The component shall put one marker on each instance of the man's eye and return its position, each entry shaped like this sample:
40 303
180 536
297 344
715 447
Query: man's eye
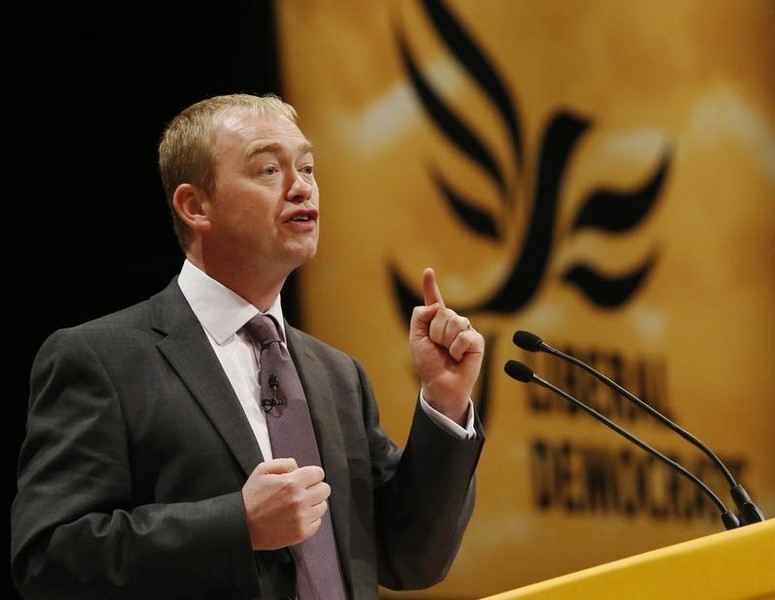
270 170
309 169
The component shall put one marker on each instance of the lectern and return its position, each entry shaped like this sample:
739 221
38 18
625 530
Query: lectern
738 564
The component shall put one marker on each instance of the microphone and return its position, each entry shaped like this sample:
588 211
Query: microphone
521 372
749 512
276 400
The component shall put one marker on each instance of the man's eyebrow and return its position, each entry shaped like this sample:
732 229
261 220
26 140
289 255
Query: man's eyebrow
275 148
261 148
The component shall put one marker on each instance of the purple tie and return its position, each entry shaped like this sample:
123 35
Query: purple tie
318 574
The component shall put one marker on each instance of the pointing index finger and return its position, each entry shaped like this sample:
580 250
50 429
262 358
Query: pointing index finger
430 288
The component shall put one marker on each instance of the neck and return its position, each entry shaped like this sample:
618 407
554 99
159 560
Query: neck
258 286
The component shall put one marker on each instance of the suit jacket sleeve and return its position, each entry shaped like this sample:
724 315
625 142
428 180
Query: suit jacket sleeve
424 502
78 515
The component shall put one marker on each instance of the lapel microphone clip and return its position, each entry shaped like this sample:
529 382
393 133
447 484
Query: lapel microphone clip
276 399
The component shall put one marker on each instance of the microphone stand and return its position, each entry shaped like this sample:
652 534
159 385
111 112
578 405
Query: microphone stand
749 512
521 372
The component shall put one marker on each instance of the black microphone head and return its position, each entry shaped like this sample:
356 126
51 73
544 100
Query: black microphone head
527 341
519 371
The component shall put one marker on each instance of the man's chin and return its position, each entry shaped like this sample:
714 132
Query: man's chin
303 256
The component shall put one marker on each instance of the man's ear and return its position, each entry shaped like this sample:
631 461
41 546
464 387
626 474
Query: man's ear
190 203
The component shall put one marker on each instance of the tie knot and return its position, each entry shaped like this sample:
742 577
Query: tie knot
263 329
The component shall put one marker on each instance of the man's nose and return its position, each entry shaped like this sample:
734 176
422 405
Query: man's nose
300 189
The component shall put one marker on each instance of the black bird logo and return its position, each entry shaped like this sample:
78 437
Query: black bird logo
606 210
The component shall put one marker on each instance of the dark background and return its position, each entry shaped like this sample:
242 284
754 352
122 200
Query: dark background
90 91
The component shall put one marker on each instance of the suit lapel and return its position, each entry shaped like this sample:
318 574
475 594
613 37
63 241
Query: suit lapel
189 352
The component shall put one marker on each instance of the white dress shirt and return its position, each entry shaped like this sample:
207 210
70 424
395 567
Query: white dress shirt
222 314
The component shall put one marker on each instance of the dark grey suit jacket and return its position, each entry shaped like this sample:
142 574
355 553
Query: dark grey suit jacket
137 449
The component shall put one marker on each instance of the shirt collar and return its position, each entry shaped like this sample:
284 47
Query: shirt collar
221 311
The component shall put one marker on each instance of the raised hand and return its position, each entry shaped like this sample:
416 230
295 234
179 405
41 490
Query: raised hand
447 352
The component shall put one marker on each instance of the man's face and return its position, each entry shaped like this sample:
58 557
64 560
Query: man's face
265 208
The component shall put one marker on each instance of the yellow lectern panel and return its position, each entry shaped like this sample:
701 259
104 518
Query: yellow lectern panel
731 565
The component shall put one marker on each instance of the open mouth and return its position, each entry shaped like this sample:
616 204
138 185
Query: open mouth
304 216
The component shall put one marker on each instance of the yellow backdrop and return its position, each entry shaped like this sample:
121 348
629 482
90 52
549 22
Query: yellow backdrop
599 173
